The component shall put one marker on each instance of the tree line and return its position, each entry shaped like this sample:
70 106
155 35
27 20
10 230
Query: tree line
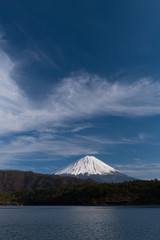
133 192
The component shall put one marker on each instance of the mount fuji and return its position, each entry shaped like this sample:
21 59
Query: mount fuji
93 168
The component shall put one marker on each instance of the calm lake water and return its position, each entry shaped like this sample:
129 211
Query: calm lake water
66 223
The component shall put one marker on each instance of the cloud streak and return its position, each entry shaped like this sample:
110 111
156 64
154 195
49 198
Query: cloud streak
49 145
140 168
42 146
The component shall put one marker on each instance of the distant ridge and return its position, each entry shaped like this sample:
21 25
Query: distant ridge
93 168
13 180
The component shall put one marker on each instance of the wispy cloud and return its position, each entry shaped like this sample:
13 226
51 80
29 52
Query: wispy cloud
87 95
108 141
144 169
50 145
80 96
26 148
143 136
36 53
81 127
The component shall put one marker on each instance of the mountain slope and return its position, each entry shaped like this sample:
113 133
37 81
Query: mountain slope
12 180
92 167
88 165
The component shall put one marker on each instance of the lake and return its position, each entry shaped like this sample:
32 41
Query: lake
76 222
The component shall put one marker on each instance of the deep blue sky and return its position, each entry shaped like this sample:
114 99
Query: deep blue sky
77 78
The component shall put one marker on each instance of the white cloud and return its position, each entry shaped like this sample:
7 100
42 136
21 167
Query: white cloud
88 95
80 96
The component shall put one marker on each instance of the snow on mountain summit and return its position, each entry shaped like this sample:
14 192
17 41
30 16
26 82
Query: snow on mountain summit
88 165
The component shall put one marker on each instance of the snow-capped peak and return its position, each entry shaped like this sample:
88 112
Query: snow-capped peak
88 165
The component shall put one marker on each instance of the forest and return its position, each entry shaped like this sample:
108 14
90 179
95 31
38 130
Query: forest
140 192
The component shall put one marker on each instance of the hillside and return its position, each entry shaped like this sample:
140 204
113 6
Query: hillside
12 180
